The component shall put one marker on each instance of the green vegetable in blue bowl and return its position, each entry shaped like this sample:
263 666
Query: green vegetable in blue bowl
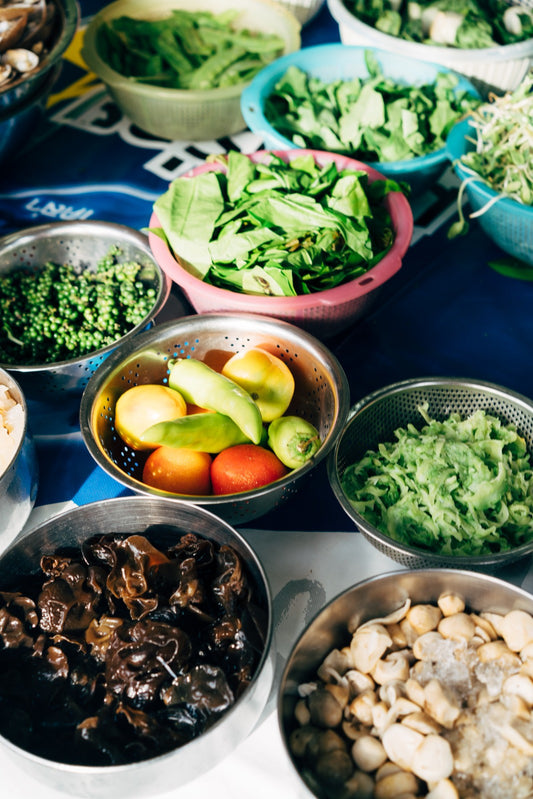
381 108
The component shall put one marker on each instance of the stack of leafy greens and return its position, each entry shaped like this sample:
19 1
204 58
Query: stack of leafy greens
457 487
373 119
281 228
186 50
466 24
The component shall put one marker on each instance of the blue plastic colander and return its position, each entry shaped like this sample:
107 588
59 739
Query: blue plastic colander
507 222
330 62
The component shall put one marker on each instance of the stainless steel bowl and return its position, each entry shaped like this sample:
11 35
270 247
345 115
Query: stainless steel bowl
375 418
82 245
321 396
19 482
161 521
332 626
59 38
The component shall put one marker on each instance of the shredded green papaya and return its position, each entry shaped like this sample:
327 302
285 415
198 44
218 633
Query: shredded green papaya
455 487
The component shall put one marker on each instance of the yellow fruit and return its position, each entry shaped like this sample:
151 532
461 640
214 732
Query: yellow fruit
142 406
265 377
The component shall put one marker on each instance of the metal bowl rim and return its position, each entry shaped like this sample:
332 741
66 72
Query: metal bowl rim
27 234
144 339
375 535
140 502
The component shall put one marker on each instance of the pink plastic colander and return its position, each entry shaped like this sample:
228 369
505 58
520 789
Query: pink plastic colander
323 313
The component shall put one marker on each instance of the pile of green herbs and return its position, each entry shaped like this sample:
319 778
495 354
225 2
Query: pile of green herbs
502 154
372 119
193 50
475 23
455 487
276 228
55 312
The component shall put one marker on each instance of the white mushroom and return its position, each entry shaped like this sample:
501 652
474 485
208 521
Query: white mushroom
521 685
368 753
424 618
368 645
517 629
359 682
389 692
440 705
444 789
361 706
395 666
498 651
516 705
392 618
359 786
387 768
433 760
426 647
495 619
394 785
483 627
400 744
516 739
415 692
20 59
457 627
337 662
450 604
422 722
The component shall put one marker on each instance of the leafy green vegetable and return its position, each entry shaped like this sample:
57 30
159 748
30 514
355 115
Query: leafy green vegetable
278 228
456 487
503 150
466 24
373 119
186 50
512 267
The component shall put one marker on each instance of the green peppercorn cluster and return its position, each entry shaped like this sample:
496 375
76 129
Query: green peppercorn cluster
57 312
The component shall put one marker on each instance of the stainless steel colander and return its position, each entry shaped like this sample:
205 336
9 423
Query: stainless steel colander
321 396
375 418
81 244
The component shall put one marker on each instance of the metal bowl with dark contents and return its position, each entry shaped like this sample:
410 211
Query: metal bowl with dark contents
81 247
141 630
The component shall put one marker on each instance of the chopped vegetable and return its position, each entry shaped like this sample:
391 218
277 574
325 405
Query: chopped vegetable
57 313
373 119
466 24
277 228
186 50
456 487
503 150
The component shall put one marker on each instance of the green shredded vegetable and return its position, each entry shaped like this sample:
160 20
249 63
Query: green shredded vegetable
455 487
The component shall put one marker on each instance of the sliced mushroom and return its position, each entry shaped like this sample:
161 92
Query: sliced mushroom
427 646
422 722
457 627
424 618
415 692
387 768
336 663
440 705
340 691
433 760
360 708
394 785
395 666
521 685
359 682
517 629
444 789
498 651
20 59
495 619
484 628
400 744
368 645
391 618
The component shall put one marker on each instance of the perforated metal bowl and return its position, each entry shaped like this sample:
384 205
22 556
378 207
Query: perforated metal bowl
321 396
82 245
374 419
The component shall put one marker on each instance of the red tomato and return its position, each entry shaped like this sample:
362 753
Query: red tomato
243 468
178 470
